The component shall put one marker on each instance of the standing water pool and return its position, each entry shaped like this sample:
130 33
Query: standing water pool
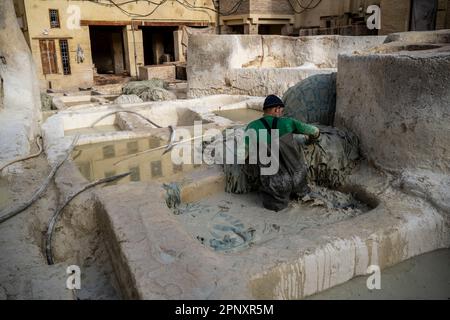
244 115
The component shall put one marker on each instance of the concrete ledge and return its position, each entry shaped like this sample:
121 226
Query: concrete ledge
156 258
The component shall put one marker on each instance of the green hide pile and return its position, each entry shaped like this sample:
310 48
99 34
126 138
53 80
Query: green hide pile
330 159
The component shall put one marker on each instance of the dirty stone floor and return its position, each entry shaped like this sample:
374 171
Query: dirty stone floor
229 222
24 273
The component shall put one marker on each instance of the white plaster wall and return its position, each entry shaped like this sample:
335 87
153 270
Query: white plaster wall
258 65
397 104
21 109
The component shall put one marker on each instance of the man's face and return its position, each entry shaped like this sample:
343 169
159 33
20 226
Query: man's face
279 111
275 111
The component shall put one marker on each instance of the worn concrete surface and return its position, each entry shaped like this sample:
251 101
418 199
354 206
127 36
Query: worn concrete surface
289 267
24 273
259 65
399 105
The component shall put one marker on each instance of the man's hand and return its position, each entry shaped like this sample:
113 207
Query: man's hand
313 138
317 136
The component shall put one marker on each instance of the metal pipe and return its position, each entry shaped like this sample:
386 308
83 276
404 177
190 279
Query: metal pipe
218 17
134 46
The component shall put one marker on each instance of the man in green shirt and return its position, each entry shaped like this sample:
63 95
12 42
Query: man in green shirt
290 179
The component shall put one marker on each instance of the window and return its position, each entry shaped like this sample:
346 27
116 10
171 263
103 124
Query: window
48 56
54 18
153 142
65 58
109 174
156 169
135 174
109 152
132 147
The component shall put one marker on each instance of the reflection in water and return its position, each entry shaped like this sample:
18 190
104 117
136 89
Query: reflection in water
244 115
100 160
47 114
88 130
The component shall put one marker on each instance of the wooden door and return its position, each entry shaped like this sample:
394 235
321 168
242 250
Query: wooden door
48 56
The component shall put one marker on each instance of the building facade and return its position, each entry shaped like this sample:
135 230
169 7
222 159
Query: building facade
318 17
256 16
348 17
414 15
71 41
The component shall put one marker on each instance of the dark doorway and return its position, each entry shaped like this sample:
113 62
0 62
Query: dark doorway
237 29
158 44
107 47
270 29
423 15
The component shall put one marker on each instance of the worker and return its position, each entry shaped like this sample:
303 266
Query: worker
290 180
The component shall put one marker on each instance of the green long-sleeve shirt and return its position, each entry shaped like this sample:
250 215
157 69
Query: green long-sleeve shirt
284 125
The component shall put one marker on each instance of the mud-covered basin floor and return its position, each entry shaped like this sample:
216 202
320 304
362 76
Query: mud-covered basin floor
229 223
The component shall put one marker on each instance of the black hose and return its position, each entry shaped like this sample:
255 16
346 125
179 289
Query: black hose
54 218
9 213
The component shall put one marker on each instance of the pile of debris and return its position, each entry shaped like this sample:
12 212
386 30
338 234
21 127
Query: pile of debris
148 90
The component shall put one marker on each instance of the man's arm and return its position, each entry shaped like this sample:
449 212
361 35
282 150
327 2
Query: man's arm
306 129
